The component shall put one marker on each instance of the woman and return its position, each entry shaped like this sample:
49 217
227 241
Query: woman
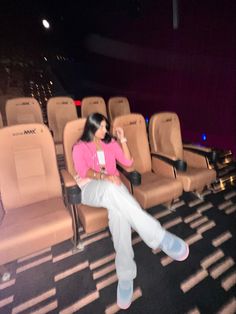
95 157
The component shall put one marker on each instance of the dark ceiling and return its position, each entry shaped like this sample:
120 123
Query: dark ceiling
21 20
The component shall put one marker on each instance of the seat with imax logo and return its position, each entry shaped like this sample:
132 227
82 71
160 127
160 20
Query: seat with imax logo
28 131
23 110
33 213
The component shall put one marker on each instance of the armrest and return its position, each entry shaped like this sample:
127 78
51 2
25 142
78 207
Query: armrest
208 153
72 190
178 164
132 175
67 178
197 146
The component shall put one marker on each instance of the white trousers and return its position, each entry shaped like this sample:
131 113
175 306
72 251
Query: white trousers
124 213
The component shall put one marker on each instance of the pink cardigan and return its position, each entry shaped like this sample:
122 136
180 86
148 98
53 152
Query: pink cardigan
85 157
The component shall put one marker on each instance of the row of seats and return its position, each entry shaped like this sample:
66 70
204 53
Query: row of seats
164 128
117 106
29 172
27 109
60 110
162 181
33 213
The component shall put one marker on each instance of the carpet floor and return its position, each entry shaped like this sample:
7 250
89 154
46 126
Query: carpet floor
57 281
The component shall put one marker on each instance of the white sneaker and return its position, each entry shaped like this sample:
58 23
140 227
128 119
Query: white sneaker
174 247
124 293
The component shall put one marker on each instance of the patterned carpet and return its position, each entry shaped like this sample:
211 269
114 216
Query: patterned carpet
57 281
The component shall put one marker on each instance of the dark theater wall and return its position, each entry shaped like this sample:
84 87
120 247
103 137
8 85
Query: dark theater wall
190 70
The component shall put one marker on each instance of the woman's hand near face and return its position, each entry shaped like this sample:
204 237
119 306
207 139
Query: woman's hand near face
123 141
120 133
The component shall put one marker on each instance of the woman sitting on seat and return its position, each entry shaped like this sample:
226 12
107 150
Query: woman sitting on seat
95 156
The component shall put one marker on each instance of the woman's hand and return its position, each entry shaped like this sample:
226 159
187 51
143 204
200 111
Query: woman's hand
114 179
120 133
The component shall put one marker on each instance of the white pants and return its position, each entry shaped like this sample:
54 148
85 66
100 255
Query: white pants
124 213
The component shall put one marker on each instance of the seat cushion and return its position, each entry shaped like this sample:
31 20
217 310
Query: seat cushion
156 189
195 179
93 218
32 228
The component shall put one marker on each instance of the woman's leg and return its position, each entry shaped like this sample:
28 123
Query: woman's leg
117 199
124 212
93 194
121 234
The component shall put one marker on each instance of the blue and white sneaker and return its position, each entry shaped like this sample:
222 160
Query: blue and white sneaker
124 293
174 247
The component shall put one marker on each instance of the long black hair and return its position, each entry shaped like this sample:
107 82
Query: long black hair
92 124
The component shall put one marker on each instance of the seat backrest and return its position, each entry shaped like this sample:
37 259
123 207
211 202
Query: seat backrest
28 167
23 110
135 131
118 106
72 132
91 105
165 134
60 110
1 122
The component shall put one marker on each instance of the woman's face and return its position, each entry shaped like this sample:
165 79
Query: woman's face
101 131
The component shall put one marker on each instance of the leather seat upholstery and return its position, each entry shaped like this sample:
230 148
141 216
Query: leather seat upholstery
156 187
165 139
93 104
23 110
34 216
92 218
118 106
60 110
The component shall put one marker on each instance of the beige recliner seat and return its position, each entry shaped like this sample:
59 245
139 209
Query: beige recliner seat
92 218
93 104
158 184
23 110
33 215
60 110
118 106
165 140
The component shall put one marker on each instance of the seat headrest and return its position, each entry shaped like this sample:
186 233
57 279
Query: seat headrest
93 104
23 110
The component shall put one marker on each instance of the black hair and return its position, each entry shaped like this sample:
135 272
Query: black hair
92 124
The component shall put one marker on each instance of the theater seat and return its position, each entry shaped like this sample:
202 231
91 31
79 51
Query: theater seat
23 110
92 218
159 187
60 110
33 215
166 141
93 104
118 106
